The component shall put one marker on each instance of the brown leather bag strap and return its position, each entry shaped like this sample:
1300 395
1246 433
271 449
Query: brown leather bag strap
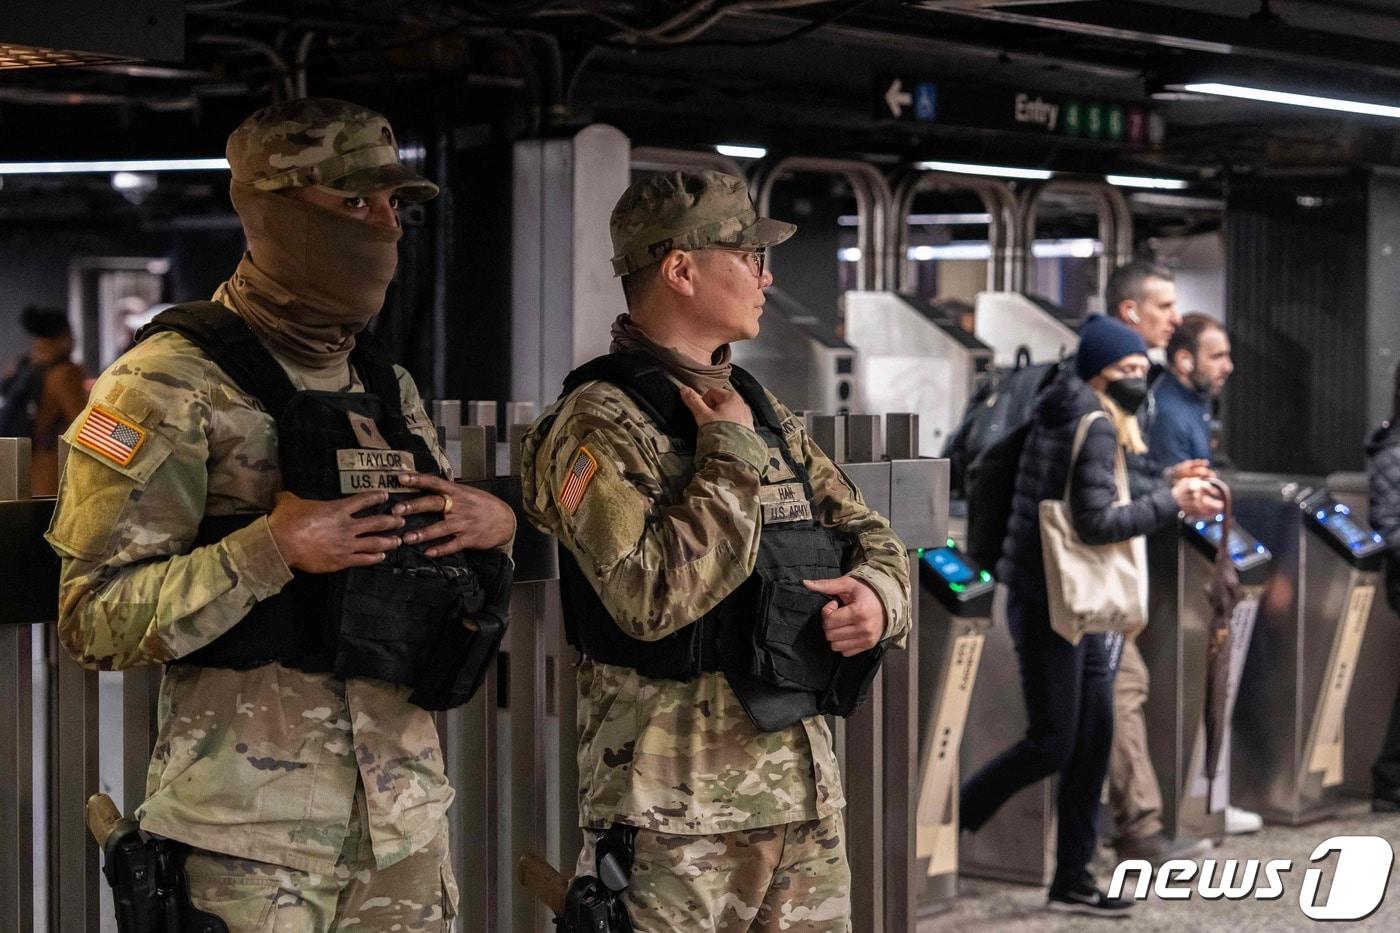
1222 553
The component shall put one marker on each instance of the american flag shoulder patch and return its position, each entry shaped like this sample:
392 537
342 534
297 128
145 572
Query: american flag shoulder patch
110 436
576 482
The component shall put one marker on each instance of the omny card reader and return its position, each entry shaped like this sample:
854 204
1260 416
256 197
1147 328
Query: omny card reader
1249 556
1355 543
962 587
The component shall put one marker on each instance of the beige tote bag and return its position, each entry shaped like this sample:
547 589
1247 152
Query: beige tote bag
1092 588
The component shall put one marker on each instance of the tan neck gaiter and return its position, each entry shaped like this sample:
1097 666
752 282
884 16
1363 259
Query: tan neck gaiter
311 279
628 337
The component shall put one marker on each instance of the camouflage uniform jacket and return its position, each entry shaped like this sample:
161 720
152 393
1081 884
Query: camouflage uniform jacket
663 537
263 763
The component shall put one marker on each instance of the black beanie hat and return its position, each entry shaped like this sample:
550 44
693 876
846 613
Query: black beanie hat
1104 341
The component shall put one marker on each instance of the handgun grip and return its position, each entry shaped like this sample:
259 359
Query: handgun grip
102 816
540 879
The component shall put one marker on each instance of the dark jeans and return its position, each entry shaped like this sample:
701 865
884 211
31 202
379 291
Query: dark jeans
1069 702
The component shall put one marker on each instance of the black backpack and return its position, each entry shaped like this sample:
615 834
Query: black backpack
19 395
993 434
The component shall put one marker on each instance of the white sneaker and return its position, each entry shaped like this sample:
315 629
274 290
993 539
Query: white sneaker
1238 822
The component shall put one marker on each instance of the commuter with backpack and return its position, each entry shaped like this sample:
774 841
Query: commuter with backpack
41 394
1081 428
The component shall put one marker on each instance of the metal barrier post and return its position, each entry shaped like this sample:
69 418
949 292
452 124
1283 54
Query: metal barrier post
16 778
73 890
19 609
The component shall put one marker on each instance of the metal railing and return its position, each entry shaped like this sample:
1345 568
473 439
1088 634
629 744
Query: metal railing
510 753
1002 226
875 269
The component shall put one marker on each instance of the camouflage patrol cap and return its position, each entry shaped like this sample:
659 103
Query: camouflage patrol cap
687 210
321 141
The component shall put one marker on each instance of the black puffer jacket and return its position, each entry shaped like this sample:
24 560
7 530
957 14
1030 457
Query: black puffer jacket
1383 451
1041 475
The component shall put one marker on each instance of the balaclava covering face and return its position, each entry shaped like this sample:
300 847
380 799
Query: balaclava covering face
310 279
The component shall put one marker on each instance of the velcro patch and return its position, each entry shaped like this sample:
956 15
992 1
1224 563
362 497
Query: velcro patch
576 482
369 470
784 502
110 436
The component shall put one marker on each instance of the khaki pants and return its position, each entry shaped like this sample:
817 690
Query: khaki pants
792 877
1134 797
417 893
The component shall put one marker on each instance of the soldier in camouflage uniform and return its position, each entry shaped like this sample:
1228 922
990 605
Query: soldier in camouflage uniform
311 802
738 828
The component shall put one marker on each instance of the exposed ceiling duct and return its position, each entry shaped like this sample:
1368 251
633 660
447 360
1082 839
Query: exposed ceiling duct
1349 40
90 32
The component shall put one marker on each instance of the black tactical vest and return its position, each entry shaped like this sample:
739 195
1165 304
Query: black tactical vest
766 636
433 624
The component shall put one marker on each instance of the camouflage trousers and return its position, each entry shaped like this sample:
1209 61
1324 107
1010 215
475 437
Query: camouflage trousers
416 893
793 877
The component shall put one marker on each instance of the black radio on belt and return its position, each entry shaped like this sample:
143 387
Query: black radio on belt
433 624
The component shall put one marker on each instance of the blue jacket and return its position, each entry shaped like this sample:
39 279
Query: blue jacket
1180 428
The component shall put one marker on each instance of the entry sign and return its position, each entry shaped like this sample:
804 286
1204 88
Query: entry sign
921 101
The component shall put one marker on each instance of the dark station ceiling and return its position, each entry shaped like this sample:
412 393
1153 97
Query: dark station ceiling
789 75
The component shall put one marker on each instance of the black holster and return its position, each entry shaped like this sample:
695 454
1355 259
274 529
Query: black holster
149 887
595 904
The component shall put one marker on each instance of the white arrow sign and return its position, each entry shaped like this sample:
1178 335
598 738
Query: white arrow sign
896 98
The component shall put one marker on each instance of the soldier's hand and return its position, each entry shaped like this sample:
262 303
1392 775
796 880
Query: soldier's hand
322 537
472 519
854 620
717 405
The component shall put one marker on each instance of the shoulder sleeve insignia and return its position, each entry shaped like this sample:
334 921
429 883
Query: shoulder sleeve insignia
110 436
576 482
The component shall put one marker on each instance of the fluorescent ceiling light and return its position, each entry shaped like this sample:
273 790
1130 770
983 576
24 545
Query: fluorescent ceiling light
1078 248
117 165
742 152
130 181
1139 181
998 171
849 254
925 220
1296 100
1177 201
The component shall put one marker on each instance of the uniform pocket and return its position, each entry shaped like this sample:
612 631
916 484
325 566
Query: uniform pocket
790 647
237 891
449 897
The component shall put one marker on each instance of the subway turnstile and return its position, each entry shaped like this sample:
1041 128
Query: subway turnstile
1377 670
914 360
1018 843
952 627
1289 721
800 359
1174 647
